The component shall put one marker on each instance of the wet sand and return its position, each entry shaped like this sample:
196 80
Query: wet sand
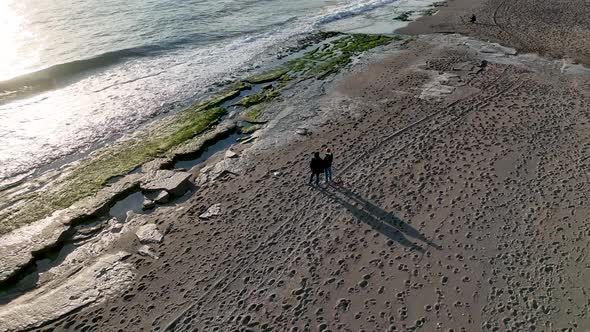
460 205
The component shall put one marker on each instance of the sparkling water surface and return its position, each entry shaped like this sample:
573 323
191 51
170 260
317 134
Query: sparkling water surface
77 73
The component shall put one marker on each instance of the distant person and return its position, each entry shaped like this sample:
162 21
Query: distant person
328 165
317 167
473 19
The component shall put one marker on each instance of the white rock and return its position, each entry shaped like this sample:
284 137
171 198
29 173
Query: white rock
149 234
230 154
148 251
302 131
214 210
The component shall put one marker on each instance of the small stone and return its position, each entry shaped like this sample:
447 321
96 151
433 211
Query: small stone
148 204
148 251
302 131
214 210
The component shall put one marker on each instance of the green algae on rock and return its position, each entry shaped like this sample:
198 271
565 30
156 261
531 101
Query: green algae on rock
332 56
264 95
91 175
253 114
160 139
218 99
250 129
268 76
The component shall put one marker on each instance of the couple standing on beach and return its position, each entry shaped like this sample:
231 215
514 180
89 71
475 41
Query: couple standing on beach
319 166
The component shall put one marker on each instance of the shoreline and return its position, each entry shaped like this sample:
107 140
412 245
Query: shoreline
25 247
352 111
553 30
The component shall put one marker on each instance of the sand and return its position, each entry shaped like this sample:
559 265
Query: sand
558 29
460 203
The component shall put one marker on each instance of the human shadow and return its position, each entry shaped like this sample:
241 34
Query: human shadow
379 219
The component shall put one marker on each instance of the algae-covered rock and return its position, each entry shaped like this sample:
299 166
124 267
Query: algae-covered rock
253 115
264 95
269 76
197 144
250 129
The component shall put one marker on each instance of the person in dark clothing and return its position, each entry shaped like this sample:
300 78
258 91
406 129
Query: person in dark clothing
473 18
328 165
317 167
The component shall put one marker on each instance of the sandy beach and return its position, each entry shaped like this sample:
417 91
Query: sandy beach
460 165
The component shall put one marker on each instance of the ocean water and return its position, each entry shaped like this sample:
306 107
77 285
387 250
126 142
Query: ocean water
77 73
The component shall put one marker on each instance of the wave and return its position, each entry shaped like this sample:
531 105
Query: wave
351 10
49 77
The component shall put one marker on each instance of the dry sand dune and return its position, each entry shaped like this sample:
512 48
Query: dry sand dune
460 209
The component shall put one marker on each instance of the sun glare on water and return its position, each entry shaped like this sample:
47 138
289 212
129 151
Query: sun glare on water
13 34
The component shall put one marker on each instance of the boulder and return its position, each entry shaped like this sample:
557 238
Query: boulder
214 210
149 234
175 183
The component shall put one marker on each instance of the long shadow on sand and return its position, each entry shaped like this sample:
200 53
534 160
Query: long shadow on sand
379 219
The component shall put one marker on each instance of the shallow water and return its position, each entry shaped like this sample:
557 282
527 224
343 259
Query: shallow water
209 151
133 202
